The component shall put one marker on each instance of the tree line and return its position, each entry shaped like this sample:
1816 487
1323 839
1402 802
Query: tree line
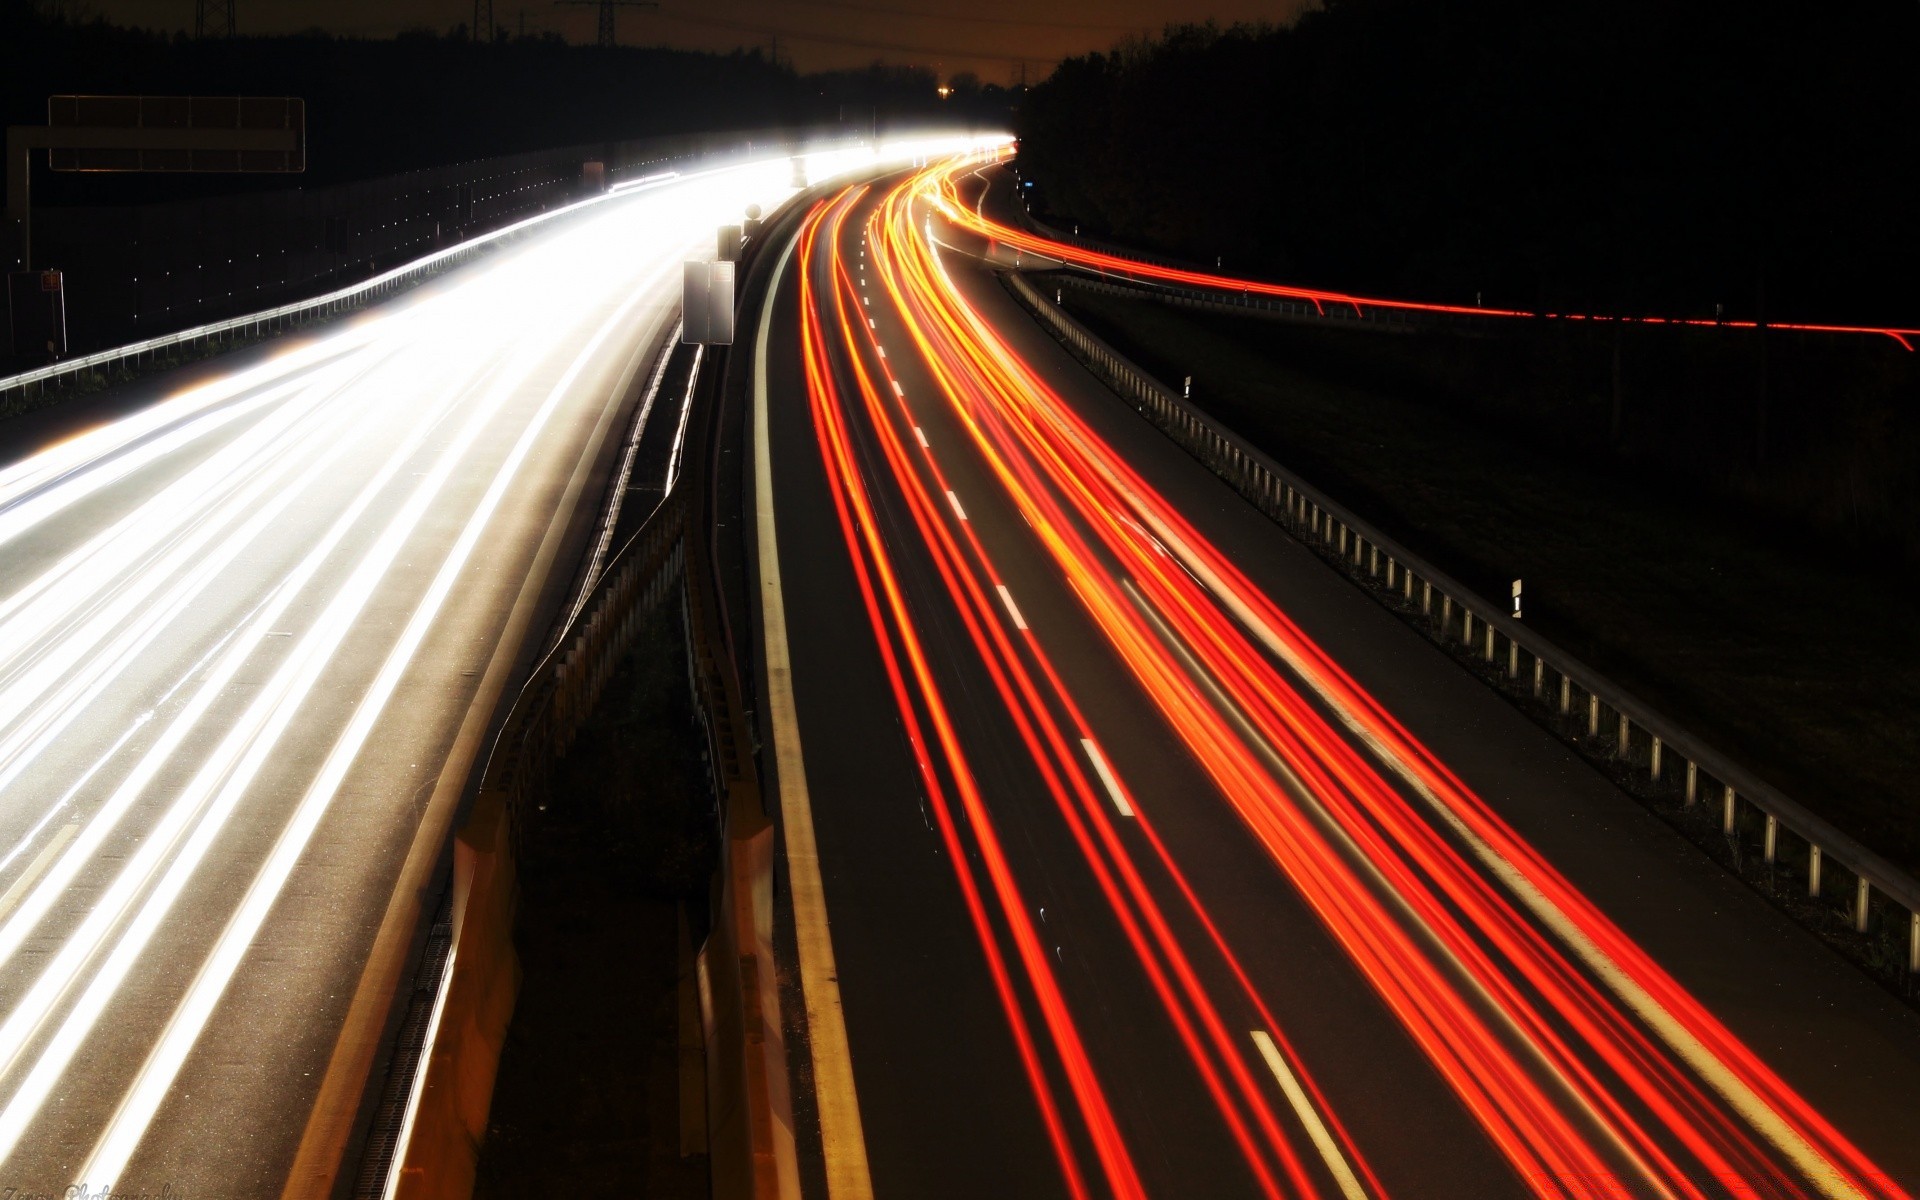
1757 159
425 98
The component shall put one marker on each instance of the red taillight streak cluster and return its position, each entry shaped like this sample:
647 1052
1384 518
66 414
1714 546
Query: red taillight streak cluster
945 186
1438 967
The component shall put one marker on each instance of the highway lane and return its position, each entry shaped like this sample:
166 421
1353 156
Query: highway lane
248 635
1483 970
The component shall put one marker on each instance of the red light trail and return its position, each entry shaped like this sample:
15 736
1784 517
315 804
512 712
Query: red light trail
1589 1068
1113 264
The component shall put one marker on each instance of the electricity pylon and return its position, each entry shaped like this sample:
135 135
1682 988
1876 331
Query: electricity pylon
213 18
606 7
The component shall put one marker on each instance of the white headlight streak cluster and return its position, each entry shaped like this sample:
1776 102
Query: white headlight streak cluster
209 612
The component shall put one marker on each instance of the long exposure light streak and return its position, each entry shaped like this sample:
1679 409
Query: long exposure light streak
971 218
225 613
1588 1067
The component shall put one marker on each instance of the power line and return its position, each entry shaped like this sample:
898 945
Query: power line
800 35
969 18
607 36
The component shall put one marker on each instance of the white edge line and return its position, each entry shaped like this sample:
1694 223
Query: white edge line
843 1141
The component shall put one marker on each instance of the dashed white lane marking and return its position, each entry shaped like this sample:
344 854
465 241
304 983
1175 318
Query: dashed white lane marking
1013 610
896 387
922 435
1316 1129
870 324
955 501
882 350
1107 780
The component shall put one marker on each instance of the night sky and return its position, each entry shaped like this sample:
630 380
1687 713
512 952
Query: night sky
990 37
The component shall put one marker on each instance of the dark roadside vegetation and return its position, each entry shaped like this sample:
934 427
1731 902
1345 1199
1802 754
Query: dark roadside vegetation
414 143
1726 522
430 97
588 1098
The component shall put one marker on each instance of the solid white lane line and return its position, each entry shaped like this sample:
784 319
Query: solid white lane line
1105 773
1013 610
1316 1128
955 501
921 434
39 864
842 1140
896 388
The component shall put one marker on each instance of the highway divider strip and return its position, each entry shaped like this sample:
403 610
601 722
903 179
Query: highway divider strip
1619 729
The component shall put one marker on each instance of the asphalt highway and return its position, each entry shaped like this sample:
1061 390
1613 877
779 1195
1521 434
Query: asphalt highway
252 629
1160 860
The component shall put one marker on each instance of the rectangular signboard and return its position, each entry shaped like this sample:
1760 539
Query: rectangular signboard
177 133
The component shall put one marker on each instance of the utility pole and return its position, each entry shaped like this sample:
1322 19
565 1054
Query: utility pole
606 36
213 18
482 21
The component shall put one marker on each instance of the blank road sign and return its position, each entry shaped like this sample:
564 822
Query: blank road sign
706 305
177 133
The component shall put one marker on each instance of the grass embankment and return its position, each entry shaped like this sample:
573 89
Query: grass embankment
587 1099
1793 652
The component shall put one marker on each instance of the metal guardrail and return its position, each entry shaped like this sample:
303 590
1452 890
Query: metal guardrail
1371 315
15 390
560 694
1617 724
216 334
1391 320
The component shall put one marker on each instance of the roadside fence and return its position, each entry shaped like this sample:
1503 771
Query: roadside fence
1879 898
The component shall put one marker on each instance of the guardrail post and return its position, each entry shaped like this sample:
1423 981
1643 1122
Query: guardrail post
1862 903
1593 715
1653 765
1513 659
1489 643
1913 943
1446 612
1566 695
1625 738
1728 809
1426 598
1693 782
1770 847
1466 628
1813 871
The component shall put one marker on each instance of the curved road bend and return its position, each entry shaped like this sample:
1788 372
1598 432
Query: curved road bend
1160 860
251 635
